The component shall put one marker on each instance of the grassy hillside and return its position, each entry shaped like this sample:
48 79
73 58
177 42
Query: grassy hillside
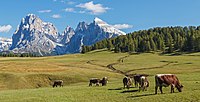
33 77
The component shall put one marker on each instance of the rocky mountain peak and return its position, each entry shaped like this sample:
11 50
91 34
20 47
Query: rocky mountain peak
82 26
34 36
67 34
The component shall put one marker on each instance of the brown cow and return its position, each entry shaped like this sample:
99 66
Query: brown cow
94 81
144 83
58 83
166 80
127 81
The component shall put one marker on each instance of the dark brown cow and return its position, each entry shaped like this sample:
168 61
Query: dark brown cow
137 78
166 80
58 83
144 83
127 81
94 81
104 81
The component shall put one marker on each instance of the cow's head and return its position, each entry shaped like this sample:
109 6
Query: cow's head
179 87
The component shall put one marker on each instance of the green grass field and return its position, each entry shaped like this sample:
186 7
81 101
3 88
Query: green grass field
30 79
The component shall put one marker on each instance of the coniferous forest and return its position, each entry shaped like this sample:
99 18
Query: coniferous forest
166 40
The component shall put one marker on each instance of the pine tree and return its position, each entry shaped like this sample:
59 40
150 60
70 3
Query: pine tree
153 45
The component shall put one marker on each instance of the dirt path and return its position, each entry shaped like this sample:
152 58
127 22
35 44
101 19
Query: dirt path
111 66
121 60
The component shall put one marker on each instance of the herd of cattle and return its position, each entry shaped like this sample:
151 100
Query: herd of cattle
139 79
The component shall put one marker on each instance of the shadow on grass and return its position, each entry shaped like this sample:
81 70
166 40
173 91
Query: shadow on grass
117 88
120 88
128 91
141 95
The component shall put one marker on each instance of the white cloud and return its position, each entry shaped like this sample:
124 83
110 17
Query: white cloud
62 1
44 11
70 2
123 26
56 16
5 28
93 8
82 12
69 10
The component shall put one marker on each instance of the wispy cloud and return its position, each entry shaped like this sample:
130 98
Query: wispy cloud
71 2
123 26
5 28
44 11
62 1
69 10
56 16
82 12
94 9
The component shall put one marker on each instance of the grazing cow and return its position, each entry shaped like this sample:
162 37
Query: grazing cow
58 83
166 80
127 81
94 81
137 78
144 83
104 81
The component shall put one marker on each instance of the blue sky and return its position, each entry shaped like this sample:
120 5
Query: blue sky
128 15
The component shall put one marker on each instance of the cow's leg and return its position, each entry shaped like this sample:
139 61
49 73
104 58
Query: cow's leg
156 88
124 85
143 88
161 89
97 84
136 84
139 88
90 84
172 88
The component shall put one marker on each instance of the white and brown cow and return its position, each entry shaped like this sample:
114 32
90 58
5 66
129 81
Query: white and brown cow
166 80
143 83
127 81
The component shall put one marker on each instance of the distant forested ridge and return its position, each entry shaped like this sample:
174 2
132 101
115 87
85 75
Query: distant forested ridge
166 40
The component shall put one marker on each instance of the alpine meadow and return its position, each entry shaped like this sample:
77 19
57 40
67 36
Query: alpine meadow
99 51
30 79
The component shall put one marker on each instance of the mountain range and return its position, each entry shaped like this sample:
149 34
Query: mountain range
42 38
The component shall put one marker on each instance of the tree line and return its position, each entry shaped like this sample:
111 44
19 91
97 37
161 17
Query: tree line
18 55
164 39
